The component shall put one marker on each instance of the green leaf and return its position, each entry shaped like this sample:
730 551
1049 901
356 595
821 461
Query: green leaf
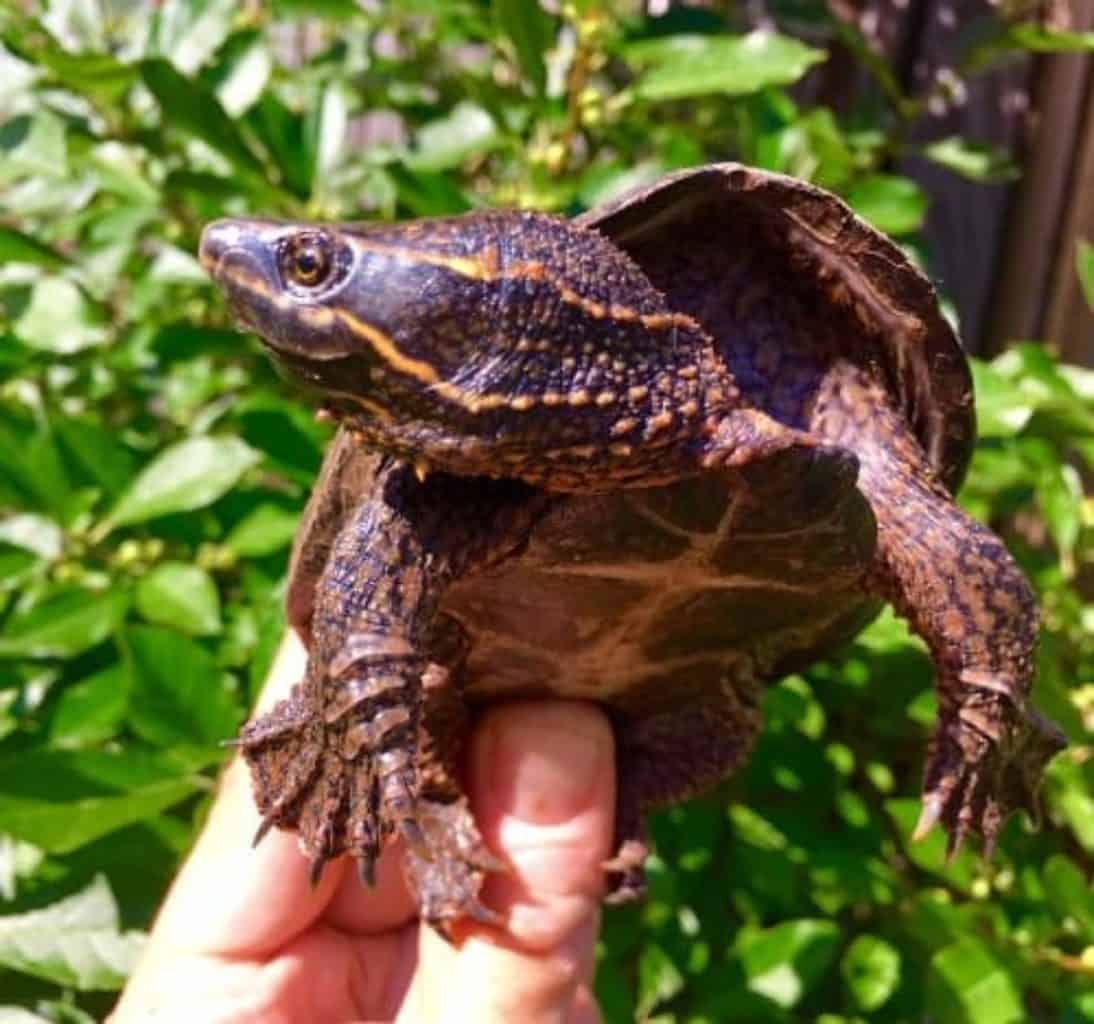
68 621
892 204
189 475
1031 36
971 160
784 962
242 72
659 979
1059 495
63 799
684 66
531 30
966 984
97 451
871 971
282 131
189 106
189 33
448 141
16 247
90 711
325 131
179 595
1002 408
96 74
75 942
179 694
1084 267
62 826
60 318
267 529
1069 891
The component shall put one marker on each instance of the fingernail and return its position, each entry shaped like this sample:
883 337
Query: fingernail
548 761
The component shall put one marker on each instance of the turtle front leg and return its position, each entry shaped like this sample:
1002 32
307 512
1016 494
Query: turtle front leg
962 592
343 760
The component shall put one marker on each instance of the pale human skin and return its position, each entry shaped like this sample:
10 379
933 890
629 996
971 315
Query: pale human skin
241 938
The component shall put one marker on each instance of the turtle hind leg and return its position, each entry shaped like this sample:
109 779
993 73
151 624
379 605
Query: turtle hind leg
677 738
448 871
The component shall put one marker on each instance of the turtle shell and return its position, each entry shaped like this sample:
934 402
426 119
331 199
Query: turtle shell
853 273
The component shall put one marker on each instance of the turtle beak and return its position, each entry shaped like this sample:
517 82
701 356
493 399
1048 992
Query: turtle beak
248 241
216 240
241 257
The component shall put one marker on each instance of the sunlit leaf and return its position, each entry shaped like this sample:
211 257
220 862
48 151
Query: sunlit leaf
1084 265
967 984
189 107
871 971
16 247
1041 39
784 962
267 529
446 142
976 162
76 942
66 622
683 66
179 693
60 800
179 595
894 205
186 476
529 29
91 710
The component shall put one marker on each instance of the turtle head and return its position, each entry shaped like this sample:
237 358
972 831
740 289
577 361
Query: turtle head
376 317
472 342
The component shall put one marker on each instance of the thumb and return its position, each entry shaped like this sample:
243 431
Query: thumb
542 786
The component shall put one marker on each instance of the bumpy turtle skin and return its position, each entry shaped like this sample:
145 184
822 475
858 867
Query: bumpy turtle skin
725 424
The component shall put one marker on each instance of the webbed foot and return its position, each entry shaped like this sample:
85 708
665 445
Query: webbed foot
343 774
986 761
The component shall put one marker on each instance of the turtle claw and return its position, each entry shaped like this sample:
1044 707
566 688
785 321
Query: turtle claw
986 762
928 817
268 822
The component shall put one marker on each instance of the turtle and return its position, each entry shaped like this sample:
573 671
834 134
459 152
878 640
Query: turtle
656 456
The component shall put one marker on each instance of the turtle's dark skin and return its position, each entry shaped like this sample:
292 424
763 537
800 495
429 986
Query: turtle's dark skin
654 458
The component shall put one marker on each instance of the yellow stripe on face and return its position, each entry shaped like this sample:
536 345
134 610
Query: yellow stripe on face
322 318
386 348
486 269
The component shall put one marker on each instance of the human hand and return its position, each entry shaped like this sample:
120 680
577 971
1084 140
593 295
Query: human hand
242 938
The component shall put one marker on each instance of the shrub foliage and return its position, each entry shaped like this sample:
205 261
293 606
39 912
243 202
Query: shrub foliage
152 469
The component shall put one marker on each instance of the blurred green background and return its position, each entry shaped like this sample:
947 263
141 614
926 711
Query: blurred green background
152 468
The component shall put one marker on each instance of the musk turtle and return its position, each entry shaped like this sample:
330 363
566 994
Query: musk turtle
652 457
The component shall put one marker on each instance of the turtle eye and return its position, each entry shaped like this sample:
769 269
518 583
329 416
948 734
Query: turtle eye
307 260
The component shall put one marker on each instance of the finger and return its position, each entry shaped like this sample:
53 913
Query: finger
234 900
359 909
542 786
